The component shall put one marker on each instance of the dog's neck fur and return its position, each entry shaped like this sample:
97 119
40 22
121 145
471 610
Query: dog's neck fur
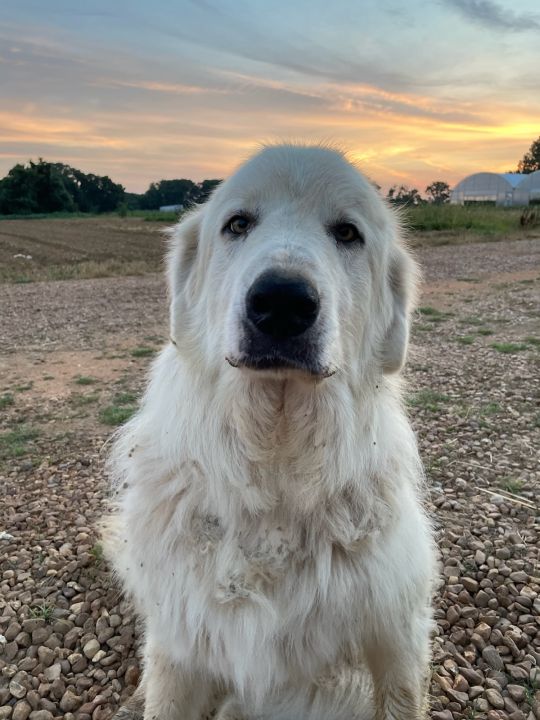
297 445
257 446
286 419
294 442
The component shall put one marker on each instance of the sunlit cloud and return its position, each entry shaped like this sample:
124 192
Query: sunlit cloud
161 87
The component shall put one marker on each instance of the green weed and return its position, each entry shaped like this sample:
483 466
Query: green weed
142 351
428 399
509 348
85 380
6 400
15 443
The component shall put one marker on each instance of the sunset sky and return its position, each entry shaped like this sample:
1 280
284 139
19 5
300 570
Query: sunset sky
140 91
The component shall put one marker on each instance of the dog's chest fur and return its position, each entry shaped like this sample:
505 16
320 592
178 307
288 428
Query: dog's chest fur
248 594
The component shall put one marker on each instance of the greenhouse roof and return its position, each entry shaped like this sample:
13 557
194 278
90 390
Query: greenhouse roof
513 178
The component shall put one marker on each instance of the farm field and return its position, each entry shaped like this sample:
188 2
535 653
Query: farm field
79 247
73 358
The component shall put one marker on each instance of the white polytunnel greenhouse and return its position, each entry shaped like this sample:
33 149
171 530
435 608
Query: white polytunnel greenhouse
506 189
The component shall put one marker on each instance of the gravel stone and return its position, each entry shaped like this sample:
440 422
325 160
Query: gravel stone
70 701
91 648
492 657
21 710
53 672
495 699
516 692
40 635
46 656
13 630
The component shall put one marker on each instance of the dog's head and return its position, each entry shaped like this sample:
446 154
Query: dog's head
292 268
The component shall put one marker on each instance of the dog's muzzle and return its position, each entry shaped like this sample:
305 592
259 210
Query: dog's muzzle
279 328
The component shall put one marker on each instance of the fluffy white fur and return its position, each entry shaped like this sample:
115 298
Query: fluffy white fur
269 524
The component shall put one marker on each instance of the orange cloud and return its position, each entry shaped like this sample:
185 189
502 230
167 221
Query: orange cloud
391 145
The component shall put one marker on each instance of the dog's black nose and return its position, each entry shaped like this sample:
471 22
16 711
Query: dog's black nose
282 305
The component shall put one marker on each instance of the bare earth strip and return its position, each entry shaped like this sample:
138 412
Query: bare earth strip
73 354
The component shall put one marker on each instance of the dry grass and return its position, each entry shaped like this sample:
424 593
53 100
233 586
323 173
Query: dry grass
66 248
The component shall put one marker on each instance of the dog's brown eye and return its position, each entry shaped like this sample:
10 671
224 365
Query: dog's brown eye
346 233
239 225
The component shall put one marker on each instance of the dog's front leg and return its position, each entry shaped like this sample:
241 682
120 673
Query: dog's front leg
399 664
172 691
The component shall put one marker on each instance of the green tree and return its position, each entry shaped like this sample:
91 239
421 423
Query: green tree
438 192
530 162
45 187
203 190
98 193
168 192
34 188
91 193
403 195
16 193
133 200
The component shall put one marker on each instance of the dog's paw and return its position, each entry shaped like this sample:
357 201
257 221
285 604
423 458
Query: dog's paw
125 713
132 710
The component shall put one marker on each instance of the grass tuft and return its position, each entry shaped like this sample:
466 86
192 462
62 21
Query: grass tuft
492 408
6 400
85 380
142 351
428 400
116 414
432 314
124 398
511 485
14 444
24 388
97 554
509 348
45 611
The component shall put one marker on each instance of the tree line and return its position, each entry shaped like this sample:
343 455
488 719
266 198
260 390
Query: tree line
45 187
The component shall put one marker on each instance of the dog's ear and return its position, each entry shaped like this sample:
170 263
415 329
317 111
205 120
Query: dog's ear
402 276
181 265
183 247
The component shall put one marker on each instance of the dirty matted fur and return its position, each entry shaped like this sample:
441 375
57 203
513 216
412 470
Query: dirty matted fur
268 523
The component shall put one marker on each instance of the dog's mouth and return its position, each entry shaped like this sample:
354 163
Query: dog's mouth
278 363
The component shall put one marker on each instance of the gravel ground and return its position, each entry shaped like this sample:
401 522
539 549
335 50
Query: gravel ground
68 643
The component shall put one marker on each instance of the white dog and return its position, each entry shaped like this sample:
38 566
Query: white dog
269 525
